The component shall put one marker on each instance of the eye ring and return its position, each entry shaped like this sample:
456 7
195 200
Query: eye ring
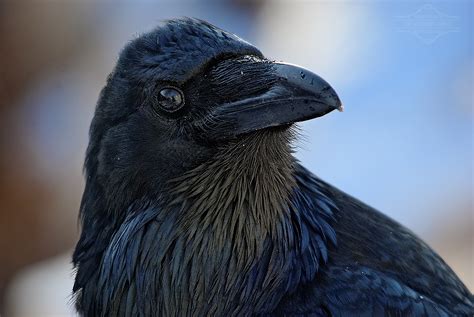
170 99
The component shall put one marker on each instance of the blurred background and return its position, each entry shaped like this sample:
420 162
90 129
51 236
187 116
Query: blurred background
404 144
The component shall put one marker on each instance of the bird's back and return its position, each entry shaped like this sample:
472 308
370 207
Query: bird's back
377 267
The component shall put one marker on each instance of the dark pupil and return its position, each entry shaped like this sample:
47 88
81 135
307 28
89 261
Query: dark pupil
170 99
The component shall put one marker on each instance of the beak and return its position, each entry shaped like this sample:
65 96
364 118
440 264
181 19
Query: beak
296 94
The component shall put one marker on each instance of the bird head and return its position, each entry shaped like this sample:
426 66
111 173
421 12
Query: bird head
182 92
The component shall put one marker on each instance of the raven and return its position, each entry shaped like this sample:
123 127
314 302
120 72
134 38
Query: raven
195 206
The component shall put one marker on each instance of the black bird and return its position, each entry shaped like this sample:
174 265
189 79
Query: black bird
195 206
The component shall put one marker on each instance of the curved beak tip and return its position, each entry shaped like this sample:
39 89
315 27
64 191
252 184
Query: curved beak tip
341 108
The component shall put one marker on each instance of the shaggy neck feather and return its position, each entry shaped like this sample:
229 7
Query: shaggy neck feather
239 201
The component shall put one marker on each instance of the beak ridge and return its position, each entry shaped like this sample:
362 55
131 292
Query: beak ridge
313 85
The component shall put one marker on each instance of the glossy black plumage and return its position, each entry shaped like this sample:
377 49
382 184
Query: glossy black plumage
204 211
379 268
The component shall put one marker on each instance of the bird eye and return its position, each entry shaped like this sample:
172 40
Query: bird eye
171 99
